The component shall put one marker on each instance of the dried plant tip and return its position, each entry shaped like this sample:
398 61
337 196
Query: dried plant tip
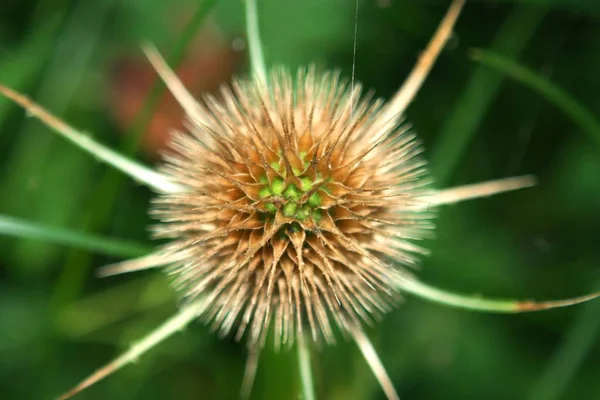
417 76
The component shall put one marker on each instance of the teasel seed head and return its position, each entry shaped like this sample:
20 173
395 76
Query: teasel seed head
300 207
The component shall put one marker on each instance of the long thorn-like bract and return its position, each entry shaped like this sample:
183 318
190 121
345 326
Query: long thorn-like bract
249 373
181 94
407 92
172 325
479 303
370 355
177 54
136 171
148 261
257 59
479 190
304 366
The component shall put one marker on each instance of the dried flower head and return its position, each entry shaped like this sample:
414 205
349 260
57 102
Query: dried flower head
291 204
296 202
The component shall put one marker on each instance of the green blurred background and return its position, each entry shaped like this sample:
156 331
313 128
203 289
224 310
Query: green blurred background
81 59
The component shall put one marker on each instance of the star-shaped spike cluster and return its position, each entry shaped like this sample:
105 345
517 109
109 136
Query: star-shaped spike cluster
294 208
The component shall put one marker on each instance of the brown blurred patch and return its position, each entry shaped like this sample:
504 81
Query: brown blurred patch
210 62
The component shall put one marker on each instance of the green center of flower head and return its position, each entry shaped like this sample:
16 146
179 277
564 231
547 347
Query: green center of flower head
300 200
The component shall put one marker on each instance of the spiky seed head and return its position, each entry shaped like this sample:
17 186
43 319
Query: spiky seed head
300 210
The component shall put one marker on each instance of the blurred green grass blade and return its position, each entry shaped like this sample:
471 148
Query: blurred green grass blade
582 116
584 330
567 360
307 385
16 227
480 91
483 304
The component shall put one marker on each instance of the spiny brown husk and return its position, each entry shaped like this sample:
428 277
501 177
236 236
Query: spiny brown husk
259 267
